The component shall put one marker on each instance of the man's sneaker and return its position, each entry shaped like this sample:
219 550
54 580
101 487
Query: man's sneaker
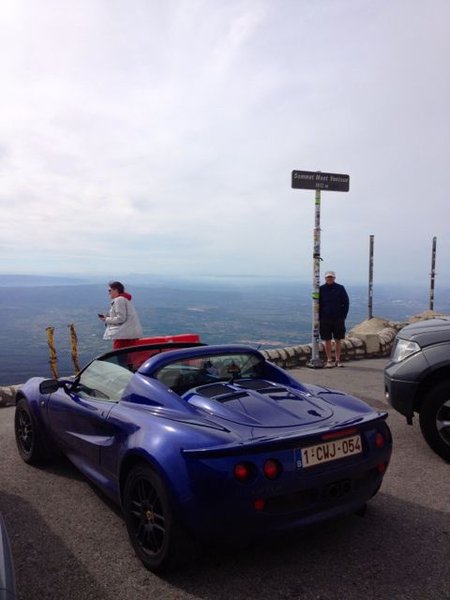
339 364
329 364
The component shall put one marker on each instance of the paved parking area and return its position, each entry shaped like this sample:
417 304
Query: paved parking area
70 543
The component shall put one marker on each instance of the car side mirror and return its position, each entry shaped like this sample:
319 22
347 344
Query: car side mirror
50 386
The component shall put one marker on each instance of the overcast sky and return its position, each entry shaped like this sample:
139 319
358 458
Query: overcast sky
159 136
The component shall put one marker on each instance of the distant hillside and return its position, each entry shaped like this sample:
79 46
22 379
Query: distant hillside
265 314
37 280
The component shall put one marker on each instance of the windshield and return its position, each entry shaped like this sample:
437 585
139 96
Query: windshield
104 380
187 373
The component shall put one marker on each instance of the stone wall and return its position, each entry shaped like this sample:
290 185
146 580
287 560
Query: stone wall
354 347
372 338
8 395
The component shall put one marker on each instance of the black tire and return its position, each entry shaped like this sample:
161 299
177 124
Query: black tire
29 440
155 534
434 419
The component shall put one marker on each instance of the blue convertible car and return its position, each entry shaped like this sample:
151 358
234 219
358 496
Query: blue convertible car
206 443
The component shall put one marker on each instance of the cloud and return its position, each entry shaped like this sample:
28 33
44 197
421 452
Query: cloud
160 137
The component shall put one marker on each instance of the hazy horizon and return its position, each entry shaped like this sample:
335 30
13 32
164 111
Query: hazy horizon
140 278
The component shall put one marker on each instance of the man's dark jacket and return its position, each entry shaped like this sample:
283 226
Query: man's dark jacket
333 302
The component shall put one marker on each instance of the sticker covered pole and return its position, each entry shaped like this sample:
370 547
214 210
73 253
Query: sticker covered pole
315 361
318 181
370 298
433 273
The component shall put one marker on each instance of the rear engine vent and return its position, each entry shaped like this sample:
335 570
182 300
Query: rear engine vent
257 384
215 389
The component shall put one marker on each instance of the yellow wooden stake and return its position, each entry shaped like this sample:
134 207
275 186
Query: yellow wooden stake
74 343
51 346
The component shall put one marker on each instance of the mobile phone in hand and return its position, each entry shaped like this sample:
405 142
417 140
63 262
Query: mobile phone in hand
101 316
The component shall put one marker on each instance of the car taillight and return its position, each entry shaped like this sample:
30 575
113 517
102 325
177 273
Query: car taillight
243 471
379 440
259 504
382 467
271 469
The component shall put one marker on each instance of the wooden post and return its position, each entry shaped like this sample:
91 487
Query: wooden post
53 359
74 345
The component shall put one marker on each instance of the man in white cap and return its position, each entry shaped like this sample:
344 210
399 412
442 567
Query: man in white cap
333 310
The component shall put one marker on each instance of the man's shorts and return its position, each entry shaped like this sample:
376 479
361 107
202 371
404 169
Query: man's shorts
334 328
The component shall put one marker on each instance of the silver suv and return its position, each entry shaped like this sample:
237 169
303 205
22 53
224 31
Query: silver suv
417 379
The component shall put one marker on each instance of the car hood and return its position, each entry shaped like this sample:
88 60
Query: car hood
259 403
431 331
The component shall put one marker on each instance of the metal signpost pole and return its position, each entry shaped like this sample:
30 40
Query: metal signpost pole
315 361
371 276
433 273
316 180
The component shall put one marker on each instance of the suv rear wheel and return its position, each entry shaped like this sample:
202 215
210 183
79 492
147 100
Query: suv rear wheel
434 419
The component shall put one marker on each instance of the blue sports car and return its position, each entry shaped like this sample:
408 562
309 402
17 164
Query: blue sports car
206 444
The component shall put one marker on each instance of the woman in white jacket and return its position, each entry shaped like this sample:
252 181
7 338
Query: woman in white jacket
122 322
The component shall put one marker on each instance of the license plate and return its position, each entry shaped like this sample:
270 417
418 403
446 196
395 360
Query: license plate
328 451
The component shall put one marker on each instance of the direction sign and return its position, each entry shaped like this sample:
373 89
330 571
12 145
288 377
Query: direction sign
316 180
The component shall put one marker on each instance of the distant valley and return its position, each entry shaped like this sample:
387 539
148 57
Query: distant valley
262 313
